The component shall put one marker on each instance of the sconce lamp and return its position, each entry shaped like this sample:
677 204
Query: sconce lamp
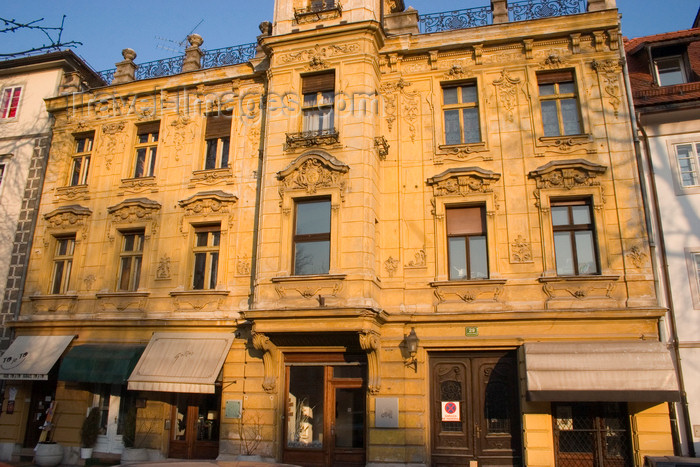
410 344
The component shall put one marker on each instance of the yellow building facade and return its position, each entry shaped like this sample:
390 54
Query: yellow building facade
382 241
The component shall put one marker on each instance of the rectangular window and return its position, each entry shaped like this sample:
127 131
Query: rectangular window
312 237
130 260
146 146
62 264
461 114
574 238
217 140
318 102
670 71
466 243
206 257
10 102
687 155
81 160
559 103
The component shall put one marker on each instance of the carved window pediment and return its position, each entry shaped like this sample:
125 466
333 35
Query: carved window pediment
68 216
463 181
134 210
208 202
313 171
567 174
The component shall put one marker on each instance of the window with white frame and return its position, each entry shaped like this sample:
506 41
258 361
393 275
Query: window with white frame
670 70
687 157
62 264
559 103
461 113
217 139
130 259
81 160
206 256
146 148
317 110
10 102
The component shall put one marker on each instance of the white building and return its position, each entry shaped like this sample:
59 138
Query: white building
25 134
664 74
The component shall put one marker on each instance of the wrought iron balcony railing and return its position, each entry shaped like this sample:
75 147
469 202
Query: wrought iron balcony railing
173 65
456 19
534 9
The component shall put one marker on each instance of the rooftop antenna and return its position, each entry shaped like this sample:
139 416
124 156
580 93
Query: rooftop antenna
166 43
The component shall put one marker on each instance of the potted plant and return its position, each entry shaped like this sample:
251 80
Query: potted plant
89 432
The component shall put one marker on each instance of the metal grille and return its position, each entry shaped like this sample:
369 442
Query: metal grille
456 19
592 435
451 391
533 9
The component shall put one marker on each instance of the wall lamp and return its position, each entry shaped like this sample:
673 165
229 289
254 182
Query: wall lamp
410 346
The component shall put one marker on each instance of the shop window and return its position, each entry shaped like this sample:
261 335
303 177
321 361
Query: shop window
130 259
688 159
312 237
466 243
206 257
146 148
575 248
62 264
592 434
318 103
559 103
10 102
217 139
461 114
80 164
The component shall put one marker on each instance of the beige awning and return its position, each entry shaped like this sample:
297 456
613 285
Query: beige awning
181 362
32 357
600 371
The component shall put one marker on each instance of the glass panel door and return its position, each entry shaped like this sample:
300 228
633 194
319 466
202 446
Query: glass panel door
112 404
194 426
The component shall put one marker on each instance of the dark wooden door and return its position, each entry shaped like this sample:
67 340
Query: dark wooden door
474 409
194 427
43 393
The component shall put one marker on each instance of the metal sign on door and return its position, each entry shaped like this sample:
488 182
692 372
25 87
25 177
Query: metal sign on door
450 411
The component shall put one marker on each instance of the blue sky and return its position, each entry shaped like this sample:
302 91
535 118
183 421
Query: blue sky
105 28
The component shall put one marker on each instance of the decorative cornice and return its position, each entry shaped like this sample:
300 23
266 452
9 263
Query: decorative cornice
207 202
133 210
463 181
311 171
67 216
567 174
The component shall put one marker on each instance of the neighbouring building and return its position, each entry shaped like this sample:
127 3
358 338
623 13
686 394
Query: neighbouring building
664 72
385 239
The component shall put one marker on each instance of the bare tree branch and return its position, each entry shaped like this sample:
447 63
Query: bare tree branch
52 33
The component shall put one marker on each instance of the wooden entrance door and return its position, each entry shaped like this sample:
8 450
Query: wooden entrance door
194 426
326 407
474 409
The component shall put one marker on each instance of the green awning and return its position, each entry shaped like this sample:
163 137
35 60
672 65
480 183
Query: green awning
110 364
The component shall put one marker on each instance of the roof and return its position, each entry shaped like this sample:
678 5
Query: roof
67 58
645 91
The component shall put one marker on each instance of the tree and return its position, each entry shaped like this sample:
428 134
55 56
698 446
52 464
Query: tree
53 34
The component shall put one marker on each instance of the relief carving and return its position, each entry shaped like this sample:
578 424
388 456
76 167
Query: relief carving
370 343
609 72
163 271
134 210
463 181
637 255
113 140
391 265
480 293
567 174
312 171
521 250
208 202
419 261
389 92
181 133
506 90
68 217
318 53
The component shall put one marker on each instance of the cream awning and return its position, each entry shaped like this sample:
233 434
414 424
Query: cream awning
181 362
32 357
600 371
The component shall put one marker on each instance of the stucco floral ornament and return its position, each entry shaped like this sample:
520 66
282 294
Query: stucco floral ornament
208 202
312 171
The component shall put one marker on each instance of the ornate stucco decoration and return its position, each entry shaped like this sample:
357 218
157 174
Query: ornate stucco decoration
210 301
394 6
463 181
587 290
567 174
163 271
609 72
311 290
208 202
456 72
637 255
506 91
553 60
134 210
181 132
371 343
390 93
391 265
70 193
312 171
419 260
521 250
64 304
262 342
243 266
567 143
68 217
212 176
478 292
382 146
319 53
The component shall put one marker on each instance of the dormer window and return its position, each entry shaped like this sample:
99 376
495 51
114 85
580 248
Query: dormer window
670 70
